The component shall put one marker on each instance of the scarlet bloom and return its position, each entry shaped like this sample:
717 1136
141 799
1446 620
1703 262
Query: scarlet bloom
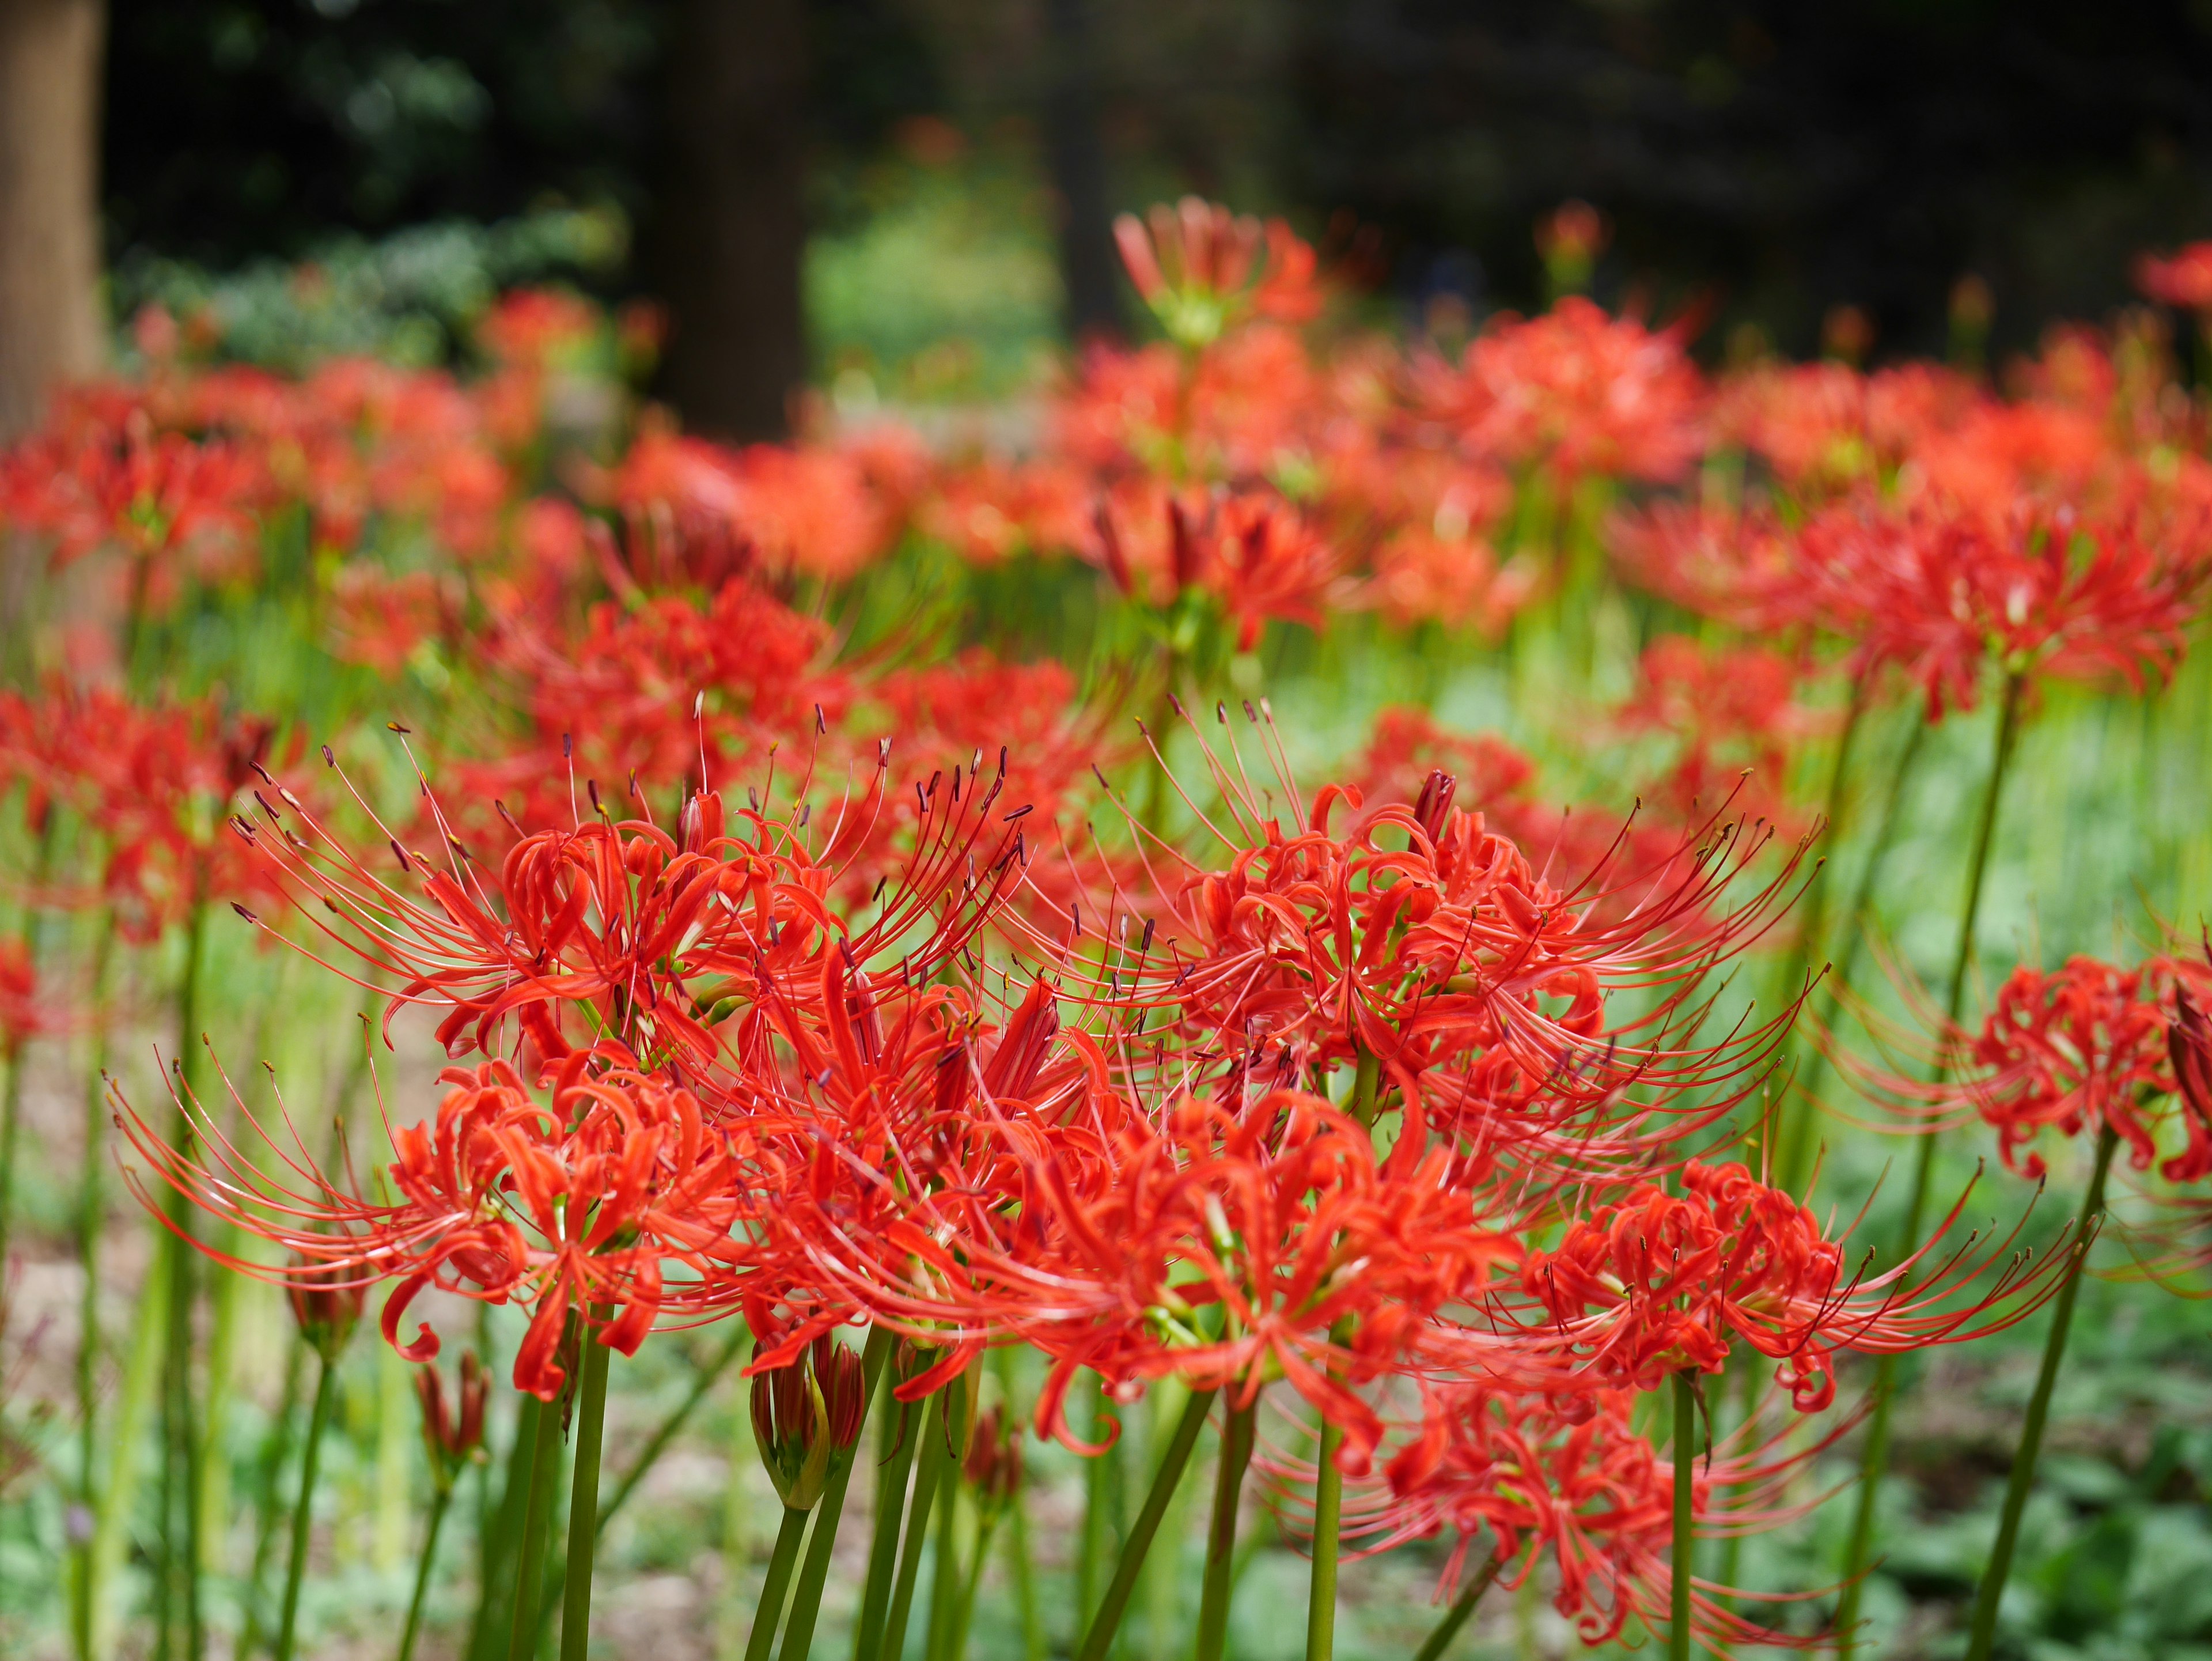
1202 269
592 1201
452 1436
2185 279
1576 393
2085 1048
1730 711
1657 1283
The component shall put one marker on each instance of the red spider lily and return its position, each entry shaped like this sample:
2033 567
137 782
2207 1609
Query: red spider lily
1575 392
155 784
1738 565
1420 577
803 1413
1427 943
2183 280
1943 598
1251 551
174 508
1657 1283
534 327
1570 1479
23 1012
617 1198
988 511
1203 269
380 619
639 931
2086 1047
1734 711
1825 427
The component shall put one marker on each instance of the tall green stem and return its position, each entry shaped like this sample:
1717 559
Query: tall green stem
829 1511
498 1527
1463 1608
1875 1461
1094 1545
1173 1462
944 1584
767 1613
1221 1532
935 1456
303 1510
438 1501
537 1522
1328 1516
584 1495
1685 1561
91 1214
181 1433
1985 1631
900 1429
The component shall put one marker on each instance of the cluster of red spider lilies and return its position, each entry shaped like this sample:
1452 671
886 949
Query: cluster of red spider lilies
901 997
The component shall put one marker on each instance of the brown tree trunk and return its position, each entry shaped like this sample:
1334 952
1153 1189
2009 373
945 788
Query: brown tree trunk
728 227
50 324
1089 269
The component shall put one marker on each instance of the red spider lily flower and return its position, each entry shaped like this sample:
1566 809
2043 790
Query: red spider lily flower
2185 280
453 1437
155 784
2043 596
23 1012
1575 392
1570 1480
2087 1047
993 1468
380 619
1739 566
1732 711
1654 1285
326 1307
1421 577
535 327
1230 1245
1202 269
640 933
1826 427
989 511
1250 551
1426 945
617 1198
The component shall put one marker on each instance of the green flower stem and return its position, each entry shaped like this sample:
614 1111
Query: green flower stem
901 1428
537 1523
1329 1515
768 1613
555 1593
276 1448
935 1456
944 1582
1875 1461
1797 1144
180 1431
303 1508
829 1511
1463 1608
438 1501
91 1214
1685 1560
111 1526
1985 1631
1221 1534
1006 1362
496 1531
1172 1464
986 1524
584 1495
1095 1544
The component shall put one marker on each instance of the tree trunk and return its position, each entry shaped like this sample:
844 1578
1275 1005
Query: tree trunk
728 225
1088 266
50 324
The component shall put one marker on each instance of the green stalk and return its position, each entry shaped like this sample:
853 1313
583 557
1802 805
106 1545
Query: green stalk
1797 1143
987 1523
536 1519
1328 1514
768 1613
2039 1410
555 1593
1173 1462
276 1448
1874 1462
1685 1561
1017 1530
944 1580
1462 1607
181 1438
584 1495
1221 1534
1092 1548
111 1517
303 1510
438 1501
496 1533
91 1214
900 1430
829 1511
935 1456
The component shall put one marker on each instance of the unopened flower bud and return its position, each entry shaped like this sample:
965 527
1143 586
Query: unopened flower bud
327 1306
453 1437
805 1412
993 1466
1433 807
